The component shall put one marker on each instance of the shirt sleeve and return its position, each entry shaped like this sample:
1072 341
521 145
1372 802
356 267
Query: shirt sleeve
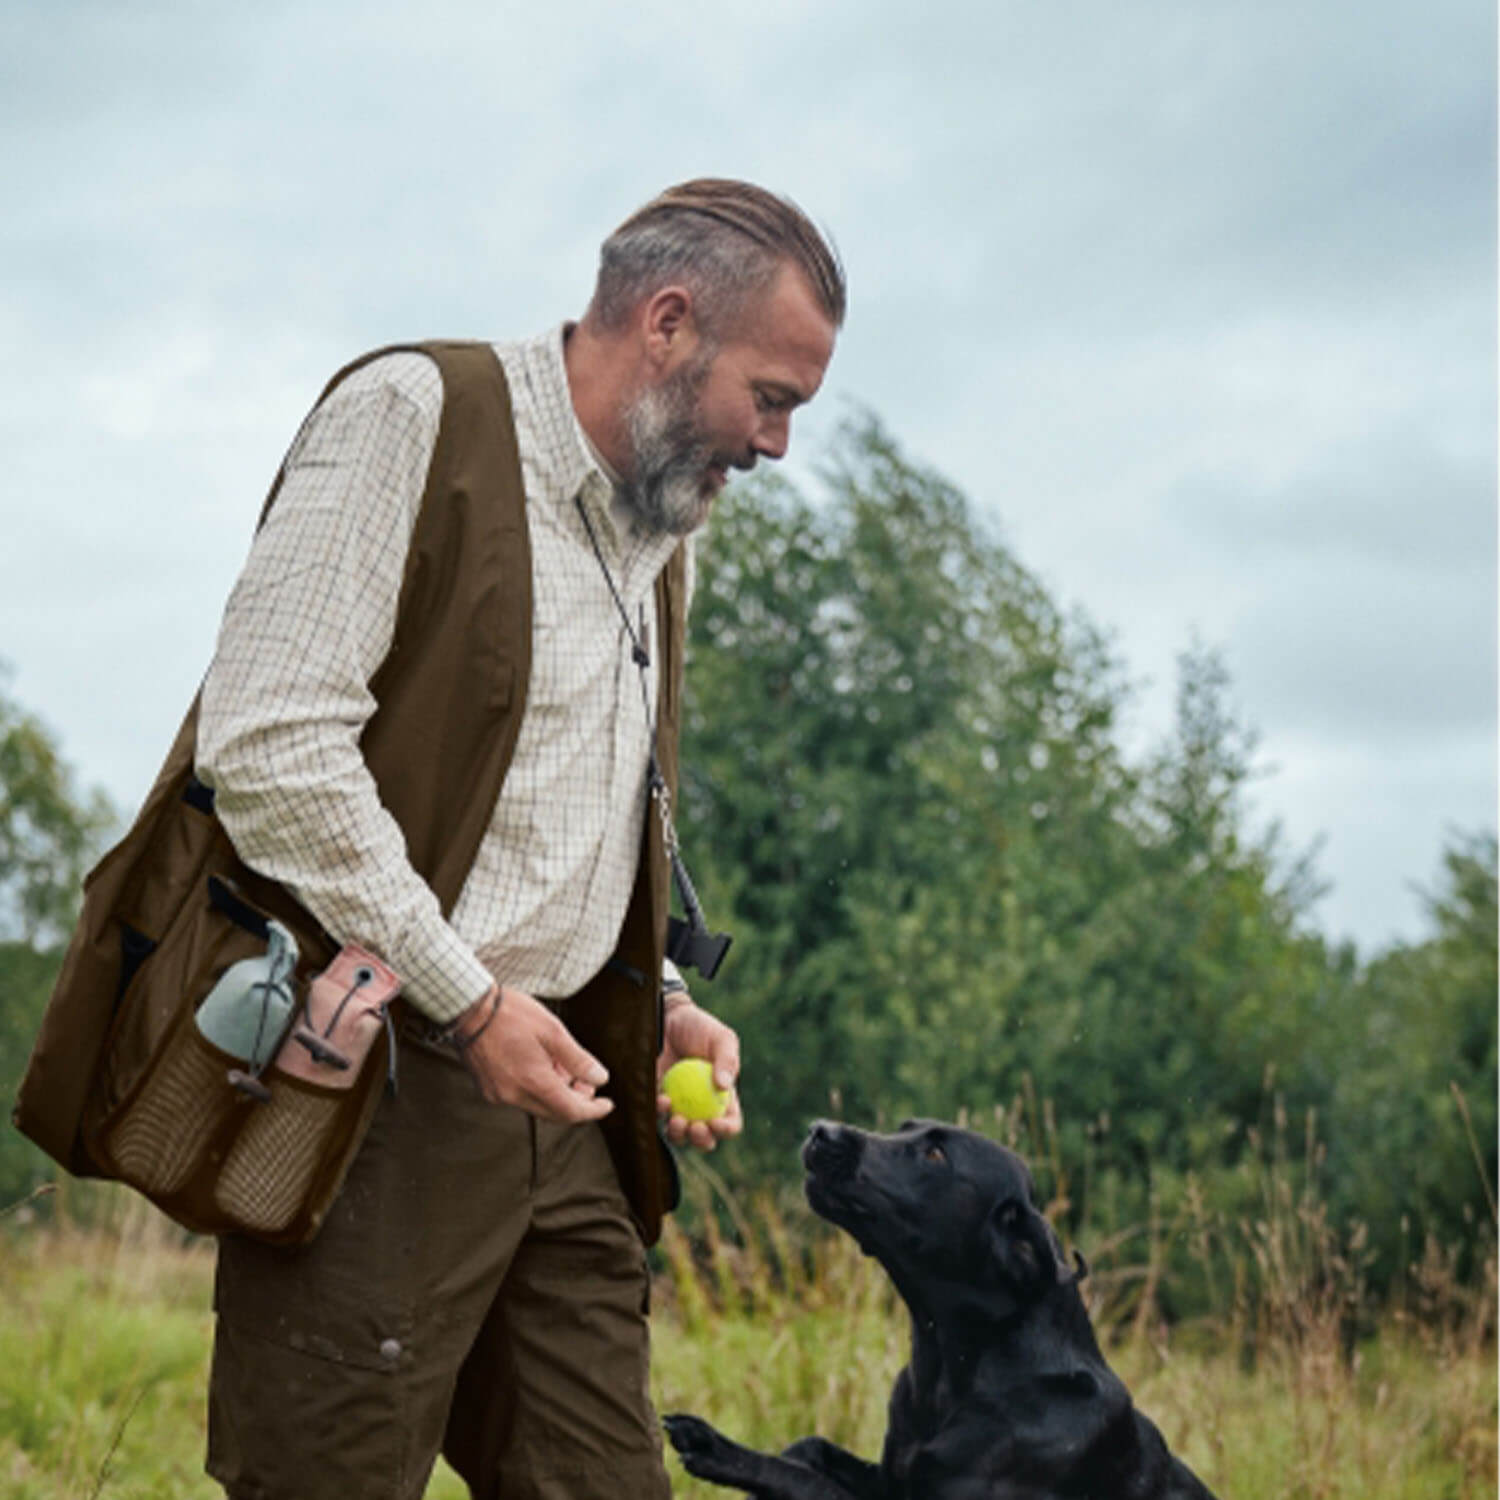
287 695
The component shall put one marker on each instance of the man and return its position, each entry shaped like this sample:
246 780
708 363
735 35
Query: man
480 1285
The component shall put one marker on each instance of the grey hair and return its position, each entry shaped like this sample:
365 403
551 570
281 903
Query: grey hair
724 241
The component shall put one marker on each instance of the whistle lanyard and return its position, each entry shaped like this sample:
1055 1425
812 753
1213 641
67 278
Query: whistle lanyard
659 792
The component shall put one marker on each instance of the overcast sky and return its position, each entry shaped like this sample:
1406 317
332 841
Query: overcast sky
1195 300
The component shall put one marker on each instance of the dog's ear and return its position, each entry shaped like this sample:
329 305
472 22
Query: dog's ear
1023 1247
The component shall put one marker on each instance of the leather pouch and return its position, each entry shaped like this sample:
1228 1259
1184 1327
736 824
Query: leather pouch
344 1014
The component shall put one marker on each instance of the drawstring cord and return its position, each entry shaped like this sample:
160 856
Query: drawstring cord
283 961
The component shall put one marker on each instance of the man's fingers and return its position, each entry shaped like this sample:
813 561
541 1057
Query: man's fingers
703 1134
556 1101
722 1127
726 1060
732 1121
720 1045
528 1058
572 1061
557 1092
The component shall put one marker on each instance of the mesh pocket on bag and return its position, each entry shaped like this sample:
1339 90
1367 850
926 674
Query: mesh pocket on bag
275 1158
159 1140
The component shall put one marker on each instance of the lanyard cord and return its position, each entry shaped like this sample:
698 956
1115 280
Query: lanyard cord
660 793
638 652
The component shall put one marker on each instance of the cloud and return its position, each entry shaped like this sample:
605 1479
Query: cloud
1196 301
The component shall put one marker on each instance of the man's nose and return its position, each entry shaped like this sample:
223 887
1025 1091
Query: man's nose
773 435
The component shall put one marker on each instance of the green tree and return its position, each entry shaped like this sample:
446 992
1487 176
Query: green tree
1204 972
49 833
903 779
1426 1026
879 697
904 792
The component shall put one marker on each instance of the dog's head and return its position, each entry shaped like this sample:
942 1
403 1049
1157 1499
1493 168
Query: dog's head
947 1212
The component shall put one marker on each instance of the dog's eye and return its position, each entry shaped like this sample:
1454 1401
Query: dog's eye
933 1152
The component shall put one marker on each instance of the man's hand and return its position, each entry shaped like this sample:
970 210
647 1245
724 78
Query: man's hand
691 1032
524 1055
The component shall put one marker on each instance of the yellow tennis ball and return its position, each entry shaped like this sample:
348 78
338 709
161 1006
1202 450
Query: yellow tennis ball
689 1084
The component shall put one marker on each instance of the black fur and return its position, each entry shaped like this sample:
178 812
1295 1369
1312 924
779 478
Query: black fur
1007 1396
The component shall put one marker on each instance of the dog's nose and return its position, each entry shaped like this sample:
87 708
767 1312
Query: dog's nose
829 1145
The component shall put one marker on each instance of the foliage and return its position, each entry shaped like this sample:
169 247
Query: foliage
952 892
954 895
1413 1118
904 777
26 978
104 1345
48 834
891 733
1280 1389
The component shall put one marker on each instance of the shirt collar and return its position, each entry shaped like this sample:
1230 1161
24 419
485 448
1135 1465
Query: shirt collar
564 458
567 463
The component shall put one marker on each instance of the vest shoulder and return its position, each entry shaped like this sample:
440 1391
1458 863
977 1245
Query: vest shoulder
398 374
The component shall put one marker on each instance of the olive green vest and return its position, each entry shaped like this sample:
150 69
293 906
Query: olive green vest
450 697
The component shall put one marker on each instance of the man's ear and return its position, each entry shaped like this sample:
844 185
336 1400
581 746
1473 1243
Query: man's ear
668 324
1023 1247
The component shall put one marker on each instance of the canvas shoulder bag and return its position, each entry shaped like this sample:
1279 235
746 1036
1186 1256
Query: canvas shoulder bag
125 1080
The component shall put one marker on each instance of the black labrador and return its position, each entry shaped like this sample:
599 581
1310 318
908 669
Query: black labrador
1007 1396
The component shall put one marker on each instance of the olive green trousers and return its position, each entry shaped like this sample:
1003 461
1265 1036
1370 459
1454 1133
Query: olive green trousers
479 1289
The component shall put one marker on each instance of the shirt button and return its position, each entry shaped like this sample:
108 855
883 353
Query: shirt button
390 1350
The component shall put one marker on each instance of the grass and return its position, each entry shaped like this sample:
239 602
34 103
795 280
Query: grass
1292 1388
103 1355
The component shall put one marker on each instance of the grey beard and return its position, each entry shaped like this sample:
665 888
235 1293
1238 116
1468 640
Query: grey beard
664 492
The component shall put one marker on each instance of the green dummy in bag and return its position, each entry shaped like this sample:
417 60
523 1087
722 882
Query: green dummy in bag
250 1008
124 1082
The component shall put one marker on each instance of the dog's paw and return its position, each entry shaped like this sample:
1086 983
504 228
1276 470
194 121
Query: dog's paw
692 1436
701 1448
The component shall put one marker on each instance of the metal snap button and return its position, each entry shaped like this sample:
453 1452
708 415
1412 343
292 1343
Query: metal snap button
390 1350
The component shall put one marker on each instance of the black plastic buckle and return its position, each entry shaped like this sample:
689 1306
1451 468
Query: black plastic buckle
696 949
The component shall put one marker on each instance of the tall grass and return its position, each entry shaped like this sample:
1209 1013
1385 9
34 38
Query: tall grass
1292 1384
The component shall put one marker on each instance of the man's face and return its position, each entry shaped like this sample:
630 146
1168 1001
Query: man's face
721 408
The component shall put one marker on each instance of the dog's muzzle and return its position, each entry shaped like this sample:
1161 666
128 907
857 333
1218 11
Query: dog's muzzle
832 1152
